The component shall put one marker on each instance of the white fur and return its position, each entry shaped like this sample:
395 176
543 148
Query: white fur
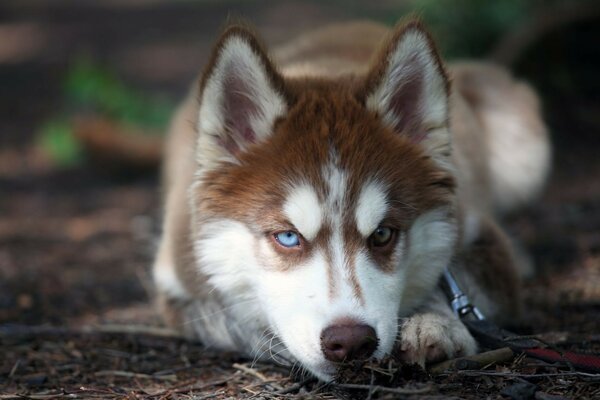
164 275
411 56
296 304
167 281
244 301
299 305
303 210
427 336
520 156
236 58
300 308
371 208
336 181
222 250
432 239
226 254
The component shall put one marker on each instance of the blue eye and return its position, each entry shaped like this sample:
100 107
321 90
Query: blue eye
287 238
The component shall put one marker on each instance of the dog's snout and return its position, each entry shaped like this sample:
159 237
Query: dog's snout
348 342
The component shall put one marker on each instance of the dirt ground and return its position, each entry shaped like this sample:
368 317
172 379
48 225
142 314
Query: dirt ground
76 244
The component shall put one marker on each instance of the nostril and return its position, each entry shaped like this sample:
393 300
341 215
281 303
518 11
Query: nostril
348 342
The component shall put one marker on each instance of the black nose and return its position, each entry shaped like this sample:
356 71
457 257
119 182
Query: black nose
348 342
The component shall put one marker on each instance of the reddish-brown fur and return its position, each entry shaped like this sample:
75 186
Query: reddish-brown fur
327 121
326 118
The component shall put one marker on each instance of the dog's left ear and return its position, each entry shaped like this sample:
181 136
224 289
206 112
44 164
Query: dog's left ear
408 88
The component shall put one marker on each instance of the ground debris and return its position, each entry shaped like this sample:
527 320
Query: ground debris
146 364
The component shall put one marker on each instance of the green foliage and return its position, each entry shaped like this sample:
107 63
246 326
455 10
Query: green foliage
470 28
57 140
462 28
91 87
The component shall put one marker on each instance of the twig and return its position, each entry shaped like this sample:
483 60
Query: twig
371 384
127 374
14 368
519 375
377 388
295 387
257 374
503 354
250 371
179 389
209 396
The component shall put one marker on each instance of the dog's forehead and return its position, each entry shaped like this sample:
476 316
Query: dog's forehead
328 154
342 160
309 212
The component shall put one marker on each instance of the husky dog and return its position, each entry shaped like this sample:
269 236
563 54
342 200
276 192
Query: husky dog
314 196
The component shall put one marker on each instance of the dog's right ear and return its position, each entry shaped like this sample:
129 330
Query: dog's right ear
241 97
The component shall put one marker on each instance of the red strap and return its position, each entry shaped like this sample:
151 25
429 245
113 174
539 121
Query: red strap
579 361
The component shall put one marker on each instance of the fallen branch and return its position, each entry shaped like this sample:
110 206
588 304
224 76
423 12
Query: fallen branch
257 374
184 389
594 377
295 387
476 361
376 388
128 374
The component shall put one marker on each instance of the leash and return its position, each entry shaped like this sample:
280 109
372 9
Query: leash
490 335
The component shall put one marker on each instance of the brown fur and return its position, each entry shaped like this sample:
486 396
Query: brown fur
326 105
324 113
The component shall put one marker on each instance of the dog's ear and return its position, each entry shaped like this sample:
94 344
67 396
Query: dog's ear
241 96
408 87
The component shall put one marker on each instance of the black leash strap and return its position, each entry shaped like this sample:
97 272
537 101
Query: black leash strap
490 335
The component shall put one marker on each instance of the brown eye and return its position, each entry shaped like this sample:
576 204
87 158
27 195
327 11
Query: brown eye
382 236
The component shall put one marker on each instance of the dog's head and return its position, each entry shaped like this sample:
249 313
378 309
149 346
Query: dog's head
330 203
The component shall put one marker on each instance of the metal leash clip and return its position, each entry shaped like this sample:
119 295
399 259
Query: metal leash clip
458 300
491 336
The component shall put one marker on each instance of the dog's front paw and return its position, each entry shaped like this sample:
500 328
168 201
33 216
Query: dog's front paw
428 337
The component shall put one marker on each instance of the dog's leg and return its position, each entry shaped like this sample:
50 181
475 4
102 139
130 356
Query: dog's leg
486 271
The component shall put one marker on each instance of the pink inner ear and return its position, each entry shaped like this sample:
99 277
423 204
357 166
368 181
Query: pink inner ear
406 101
239 107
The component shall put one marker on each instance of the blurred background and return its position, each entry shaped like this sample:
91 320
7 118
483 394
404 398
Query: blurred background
87 87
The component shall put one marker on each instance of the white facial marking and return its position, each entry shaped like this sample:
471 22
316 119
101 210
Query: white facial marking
432 239
371 208
226 255
382 292
224 250
303 210
336 180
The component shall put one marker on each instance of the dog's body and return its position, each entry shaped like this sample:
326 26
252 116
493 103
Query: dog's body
310 209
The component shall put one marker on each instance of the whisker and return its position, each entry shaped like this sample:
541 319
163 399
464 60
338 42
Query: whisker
268 338
220 311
